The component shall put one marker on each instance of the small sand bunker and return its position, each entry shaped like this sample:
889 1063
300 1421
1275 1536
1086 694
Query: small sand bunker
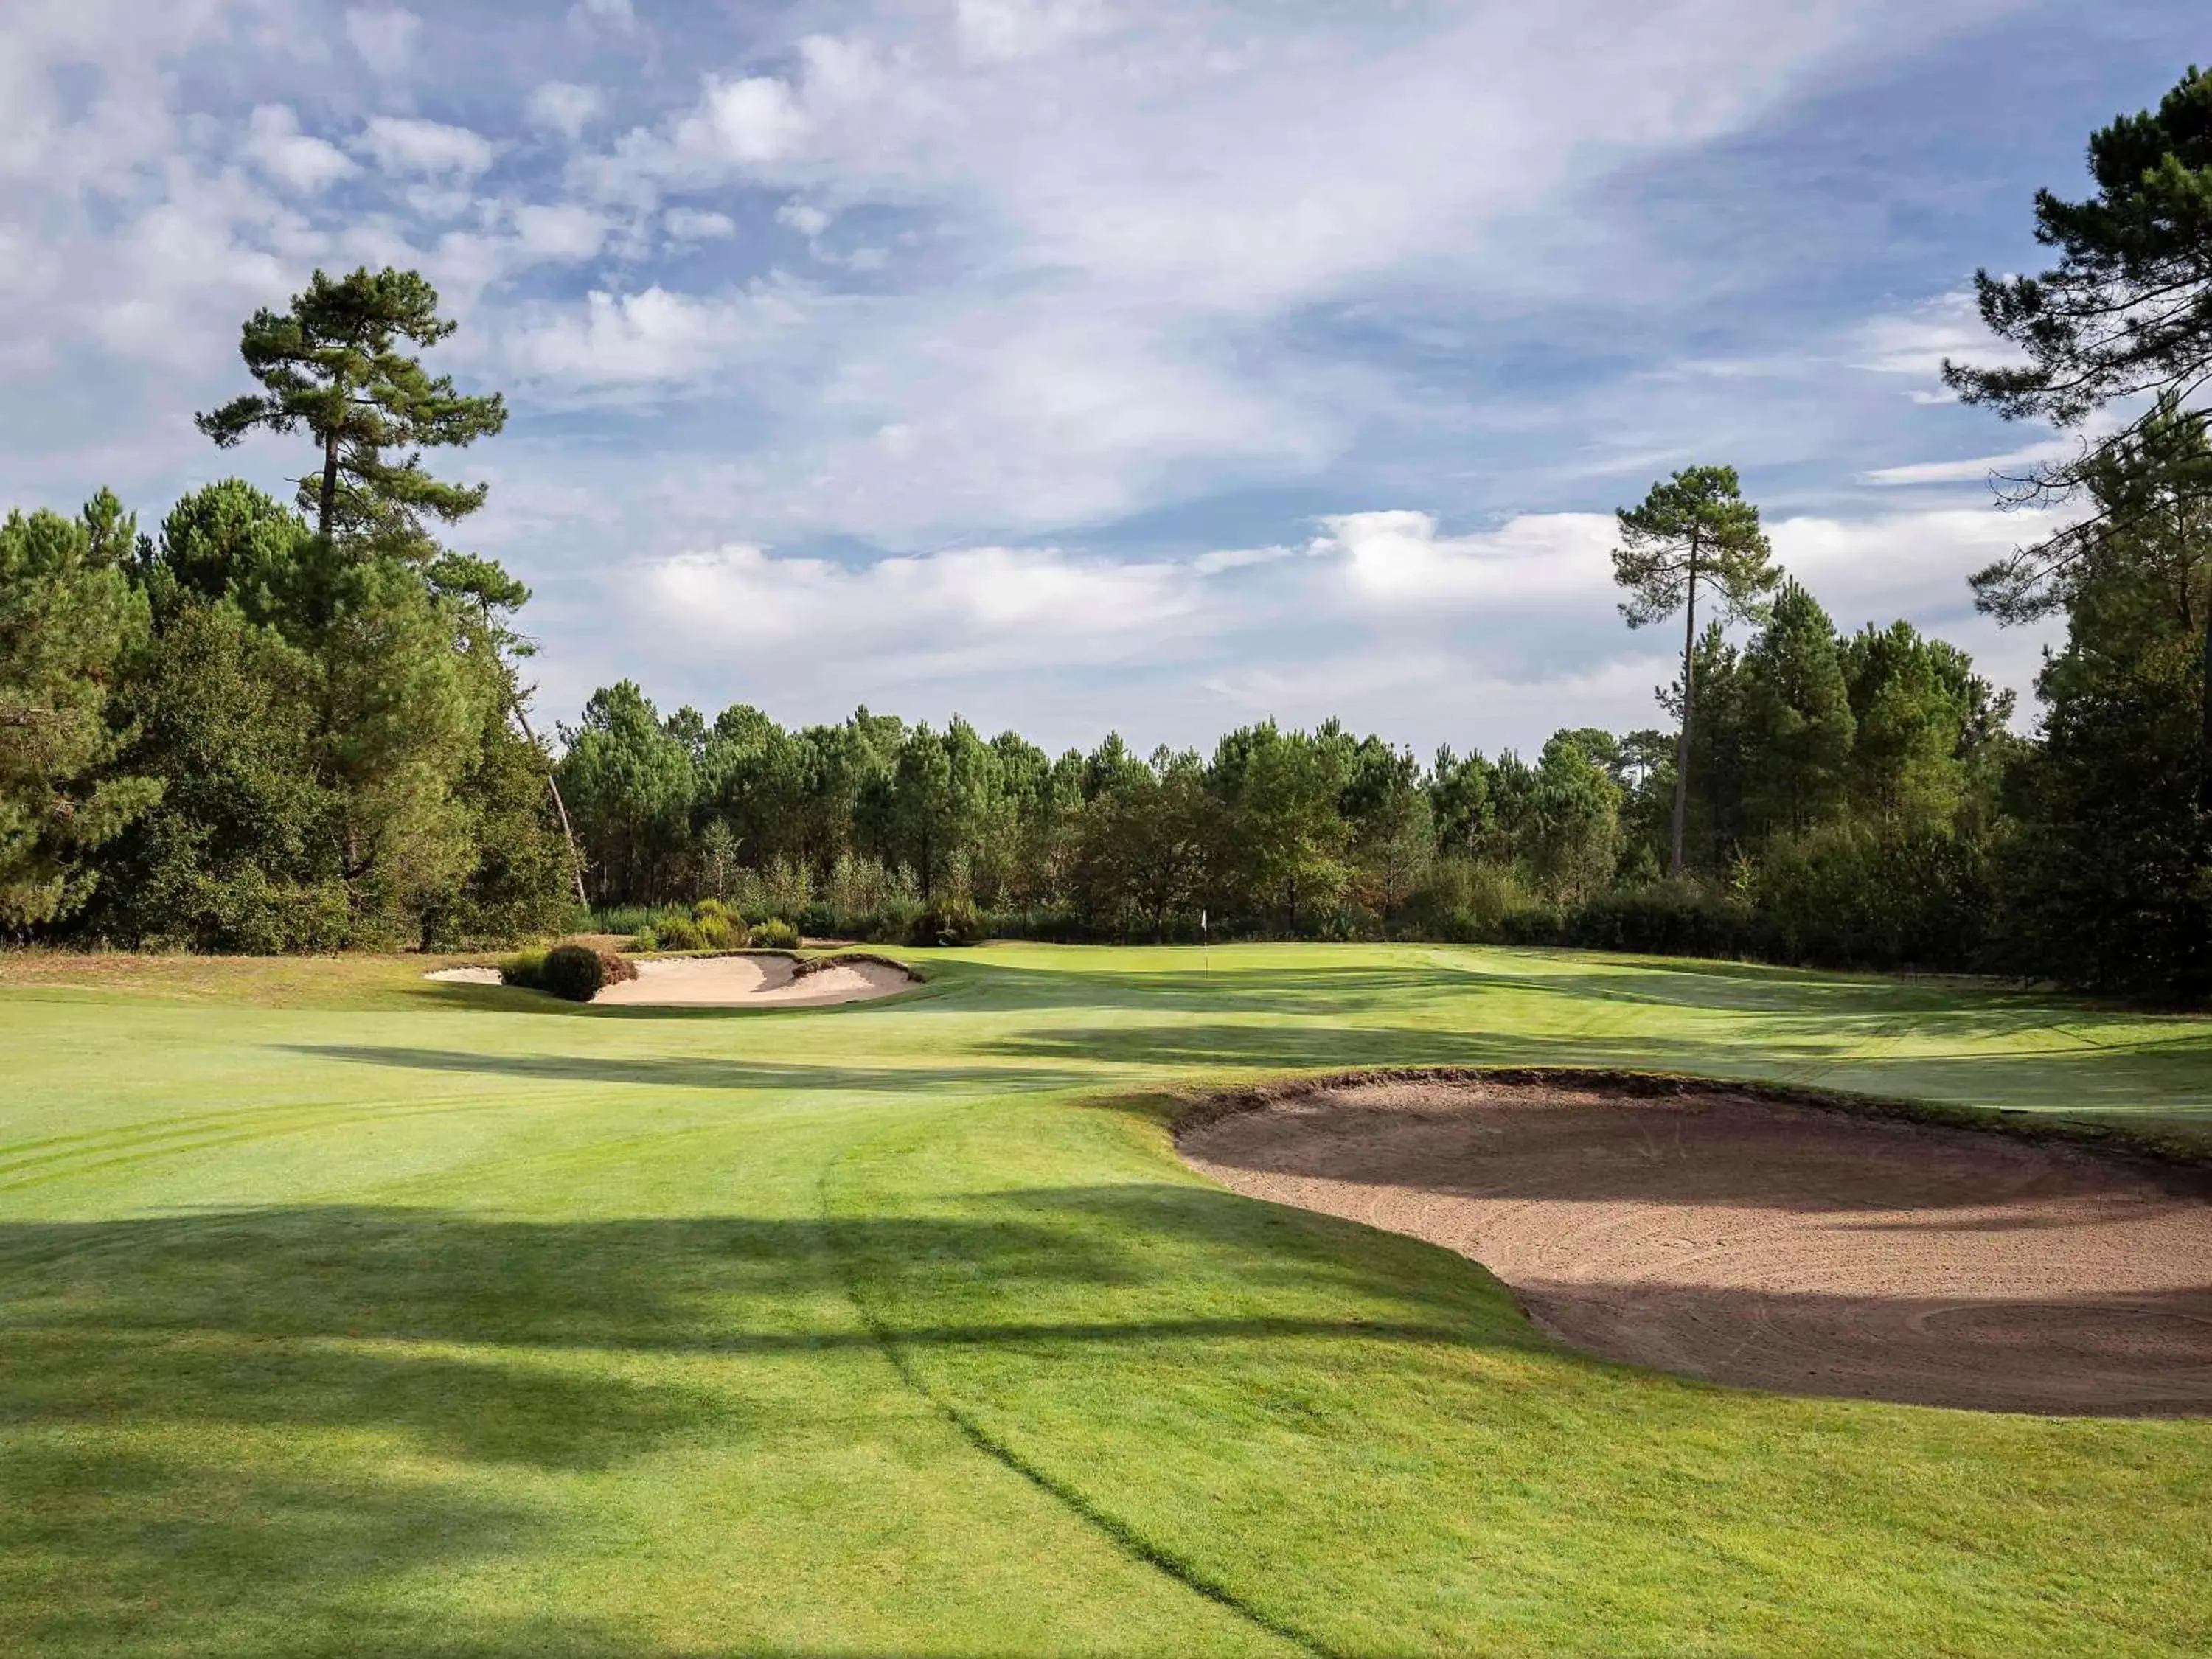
465 975
1774 1246
753 983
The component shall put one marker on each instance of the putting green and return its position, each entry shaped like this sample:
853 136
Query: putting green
344 1313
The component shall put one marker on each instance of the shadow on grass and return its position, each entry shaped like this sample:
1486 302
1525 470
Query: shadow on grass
255 1432
248 1431
693 1074
1199 1047
1446 971
2164 1080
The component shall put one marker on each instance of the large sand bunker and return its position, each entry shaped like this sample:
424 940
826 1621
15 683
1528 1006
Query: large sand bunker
761 981
749 981
1774 1245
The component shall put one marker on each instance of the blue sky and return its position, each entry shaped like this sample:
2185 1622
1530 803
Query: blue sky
1084 363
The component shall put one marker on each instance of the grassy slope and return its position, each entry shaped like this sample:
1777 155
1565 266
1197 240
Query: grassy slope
342 1313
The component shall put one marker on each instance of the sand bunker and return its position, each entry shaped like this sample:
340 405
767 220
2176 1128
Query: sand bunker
465 975
1774 1246
753 983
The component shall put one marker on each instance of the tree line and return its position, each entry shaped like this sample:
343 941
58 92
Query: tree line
248 730
267 726
1881 750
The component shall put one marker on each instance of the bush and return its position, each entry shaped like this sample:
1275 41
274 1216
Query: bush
575 971
526 969
720 928
631 920
1468 901
617 967
947 922
776 935
678 934
722 933
1848 898
1685 918
1533 924
645 938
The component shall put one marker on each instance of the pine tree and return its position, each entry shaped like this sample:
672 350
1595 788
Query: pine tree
334 364
1797 717
1693 531
70 623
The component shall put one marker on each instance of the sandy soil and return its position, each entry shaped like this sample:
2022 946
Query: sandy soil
1779 1247
751 982
466 975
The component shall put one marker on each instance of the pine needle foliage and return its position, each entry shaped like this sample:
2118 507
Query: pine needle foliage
334 364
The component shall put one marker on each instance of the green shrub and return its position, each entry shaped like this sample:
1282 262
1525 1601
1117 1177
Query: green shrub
575 971
1684 918
776 935
721 932
1850 898
629 920
947 922
678 934
712 909
526 969
645 938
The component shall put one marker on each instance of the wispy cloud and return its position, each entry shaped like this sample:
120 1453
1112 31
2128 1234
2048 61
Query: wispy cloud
386 39
1230 353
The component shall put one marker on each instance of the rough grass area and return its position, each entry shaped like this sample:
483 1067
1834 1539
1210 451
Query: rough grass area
345 1313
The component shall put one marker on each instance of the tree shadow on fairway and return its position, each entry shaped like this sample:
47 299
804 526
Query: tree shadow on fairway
700 1073
1291 991
2170 1081
1450 970
460 1332
1258 1045
247 1432
111 1548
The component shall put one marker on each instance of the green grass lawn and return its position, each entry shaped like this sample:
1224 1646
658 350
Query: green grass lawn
341 1313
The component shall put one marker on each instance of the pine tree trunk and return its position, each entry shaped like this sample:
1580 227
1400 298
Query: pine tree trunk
330 501
568 835
2205 751
1689 693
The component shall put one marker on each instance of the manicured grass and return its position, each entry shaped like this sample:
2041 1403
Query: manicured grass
340 1313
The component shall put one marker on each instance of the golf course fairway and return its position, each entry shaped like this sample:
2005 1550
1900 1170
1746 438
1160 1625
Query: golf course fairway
345 1313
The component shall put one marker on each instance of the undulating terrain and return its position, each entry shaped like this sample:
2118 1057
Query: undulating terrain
345 1313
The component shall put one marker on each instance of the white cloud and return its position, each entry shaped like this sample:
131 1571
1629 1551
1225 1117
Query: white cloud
941 613
1124 220
1901 564
998 29
692 225
652 337
290 157
808 220
404 145
1161 274
564 108
561 232
1917 343
1494 637
1398 559
386 39
2015 462
755 120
